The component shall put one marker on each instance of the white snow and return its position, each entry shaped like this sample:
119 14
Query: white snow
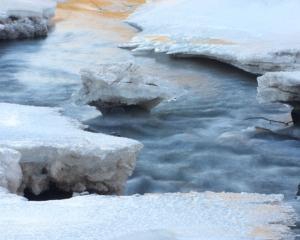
256 36
178 216
55 149
279 87
120 84
25 18
10 169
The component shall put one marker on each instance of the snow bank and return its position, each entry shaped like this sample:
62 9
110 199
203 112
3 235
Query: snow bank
257 36
55 149
120 85
179 216
10 170
25 18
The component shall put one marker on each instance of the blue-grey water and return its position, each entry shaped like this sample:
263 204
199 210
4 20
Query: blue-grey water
203 140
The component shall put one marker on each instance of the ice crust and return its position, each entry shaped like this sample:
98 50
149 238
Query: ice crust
25 18
248 35
56 149
120 85
178 216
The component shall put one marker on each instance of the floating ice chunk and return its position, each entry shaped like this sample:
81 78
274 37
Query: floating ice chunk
178 216
120 85
55 149
25 18
10 169
248 35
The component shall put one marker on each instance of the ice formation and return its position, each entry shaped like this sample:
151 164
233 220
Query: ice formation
281 87
178 216
25 18
10 169
56 150
120 85
248 35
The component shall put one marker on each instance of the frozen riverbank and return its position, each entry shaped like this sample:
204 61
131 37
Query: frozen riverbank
21 19
195 216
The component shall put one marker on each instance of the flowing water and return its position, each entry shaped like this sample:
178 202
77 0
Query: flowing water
202 140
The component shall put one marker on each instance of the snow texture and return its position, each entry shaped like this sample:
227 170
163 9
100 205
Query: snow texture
257 36
21 19
178 216
279 87
120 85
56 149
10 169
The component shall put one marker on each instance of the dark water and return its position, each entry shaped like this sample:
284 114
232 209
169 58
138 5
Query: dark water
201 141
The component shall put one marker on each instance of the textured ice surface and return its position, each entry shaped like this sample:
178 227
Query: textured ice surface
25 18
55 149
10 169
279 87
120 84
179 216
257 36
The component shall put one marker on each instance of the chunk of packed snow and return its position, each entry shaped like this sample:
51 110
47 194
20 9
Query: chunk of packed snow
25 18
10 170
257 36
179 216
55 149
120 85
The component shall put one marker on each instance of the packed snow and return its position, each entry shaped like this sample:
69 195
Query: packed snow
10 169
178 216
257 36
56 149
120 85
25 18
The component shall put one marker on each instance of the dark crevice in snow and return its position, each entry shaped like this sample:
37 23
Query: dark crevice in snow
53 193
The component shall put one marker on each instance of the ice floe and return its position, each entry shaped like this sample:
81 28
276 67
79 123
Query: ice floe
120 85
56 150
25 18
178 216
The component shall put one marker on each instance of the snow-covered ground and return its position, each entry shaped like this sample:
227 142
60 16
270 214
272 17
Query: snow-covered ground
25 18
120 85
55 149
257 36
179 216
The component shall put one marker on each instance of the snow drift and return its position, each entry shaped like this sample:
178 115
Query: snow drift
55 150
25 18
179 216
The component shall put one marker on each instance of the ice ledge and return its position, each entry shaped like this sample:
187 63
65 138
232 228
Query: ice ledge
55 150
179 216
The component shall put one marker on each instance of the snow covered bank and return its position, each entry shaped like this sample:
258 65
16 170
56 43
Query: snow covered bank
281 87
179 216
25 18
120 85
55 150
257 36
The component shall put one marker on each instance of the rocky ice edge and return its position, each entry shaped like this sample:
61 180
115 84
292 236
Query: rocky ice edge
25 18
56 150
281 87
178 216
120 85
256 40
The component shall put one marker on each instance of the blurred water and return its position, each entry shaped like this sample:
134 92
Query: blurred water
202 141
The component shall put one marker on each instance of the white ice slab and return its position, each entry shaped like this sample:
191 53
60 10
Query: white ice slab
55 149
179 216
257 36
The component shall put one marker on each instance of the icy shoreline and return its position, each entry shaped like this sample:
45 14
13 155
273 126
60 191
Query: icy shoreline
20 19
256 40
55 150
